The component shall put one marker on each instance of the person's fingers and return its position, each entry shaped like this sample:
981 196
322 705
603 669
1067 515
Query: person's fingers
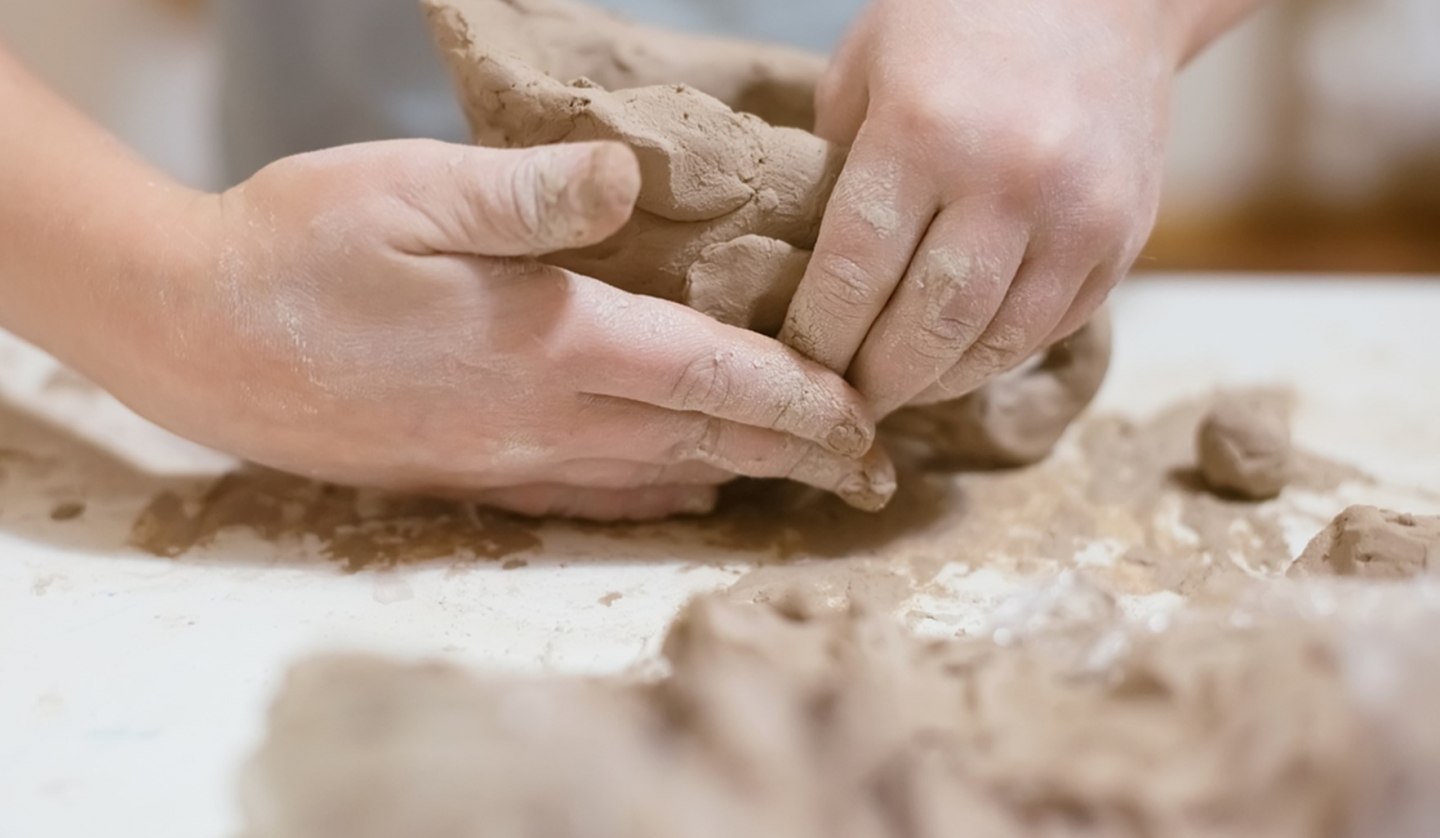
516 202
951 291
875 218
1092 295
1033 307
661 353
641 432
541 500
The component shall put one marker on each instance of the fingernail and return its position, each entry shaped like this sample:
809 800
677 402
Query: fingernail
848 440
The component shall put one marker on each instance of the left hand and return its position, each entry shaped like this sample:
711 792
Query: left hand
1003 176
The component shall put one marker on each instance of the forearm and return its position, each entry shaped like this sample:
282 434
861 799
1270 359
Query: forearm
1201 22
85 227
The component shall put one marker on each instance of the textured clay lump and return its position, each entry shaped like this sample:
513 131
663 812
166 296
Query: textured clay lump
1243 446
733 187
778 724
1373 543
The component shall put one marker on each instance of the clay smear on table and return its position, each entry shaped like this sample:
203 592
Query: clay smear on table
733 190
1121 498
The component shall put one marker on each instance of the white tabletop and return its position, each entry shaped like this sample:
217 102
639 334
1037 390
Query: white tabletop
131 686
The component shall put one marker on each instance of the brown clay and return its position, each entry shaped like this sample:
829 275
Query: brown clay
786 725
730 203
1243 445
1373 543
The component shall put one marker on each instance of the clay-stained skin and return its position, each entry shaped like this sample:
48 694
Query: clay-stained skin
730 203
787 725
1373 543
1243 446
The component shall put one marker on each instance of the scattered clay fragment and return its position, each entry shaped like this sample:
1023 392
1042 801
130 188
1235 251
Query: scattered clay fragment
1243 445
732 193
784 725
1373 543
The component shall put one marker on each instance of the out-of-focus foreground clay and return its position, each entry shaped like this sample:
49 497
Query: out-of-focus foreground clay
733 190
1374 543
790 725
1243 445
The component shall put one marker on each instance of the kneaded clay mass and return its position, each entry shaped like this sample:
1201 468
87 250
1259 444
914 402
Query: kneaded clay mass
733 187
1243 445
786 725
1373 543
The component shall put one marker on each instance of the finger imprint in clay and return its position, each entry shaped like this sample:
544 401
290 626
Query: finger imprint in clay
730 203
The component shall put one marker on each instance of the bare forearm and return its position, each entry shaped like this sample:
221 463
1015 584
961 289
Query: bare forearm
83 225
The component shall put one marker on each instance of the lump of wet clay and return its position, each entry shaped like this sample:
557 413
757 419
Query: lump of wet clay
1019 417
785 725
733 188
1373 543
1243 445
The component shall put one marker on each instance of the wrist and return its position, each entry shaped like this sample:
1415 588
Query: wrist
147 320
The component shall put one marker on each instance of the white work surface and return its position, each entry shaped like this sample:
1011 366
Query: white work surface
131 686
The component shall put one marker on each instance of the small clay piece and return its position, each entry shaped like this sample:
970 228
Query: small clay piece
836 726
732 191
1373 543
1243 445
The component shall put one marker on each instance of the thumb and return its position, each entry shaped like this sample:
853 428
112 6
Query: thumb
527 202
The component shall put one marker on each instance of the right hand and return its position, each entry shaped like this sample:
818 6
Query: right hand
374 315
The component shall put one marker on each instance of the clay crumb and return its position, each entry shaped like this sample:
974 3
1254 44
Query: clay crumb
514 564
67 511
610 598
1243 445
1373 543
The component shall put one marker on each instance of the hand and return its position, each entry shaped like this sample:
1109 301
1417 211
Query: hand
374 317
1004 175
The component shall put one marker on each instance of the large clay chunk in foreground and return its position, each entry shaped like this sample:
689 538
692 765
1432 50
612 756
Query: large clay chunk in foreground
733 189
784 725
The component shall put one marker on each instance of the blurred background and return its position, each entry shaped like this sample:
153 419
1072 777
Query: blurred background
1308 140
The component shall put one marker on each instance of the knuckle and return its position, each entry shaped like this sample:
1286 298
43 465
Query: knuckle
943 334
700 443
956 291
705 384
926 113
793 460
1045 145
844 284
999 348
